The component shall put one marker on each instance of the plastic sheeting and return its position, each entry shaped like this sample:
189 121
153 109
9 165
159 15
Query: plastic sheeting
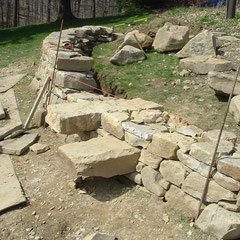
213 3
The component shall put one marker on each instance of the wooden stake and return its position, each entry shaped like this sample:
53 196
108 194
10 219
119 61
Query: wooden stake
139 45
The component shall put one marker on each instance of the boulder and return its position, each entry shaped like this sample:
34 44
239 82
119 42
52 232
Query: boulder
220 222
222 83
235 108
194 185
203 151
229 166
202 44
127 55
135 141
74 80
194 164
205 64
150 159
112 123
173 171
144 40
102 156
152 181
171 38
78 63
181 201
226 182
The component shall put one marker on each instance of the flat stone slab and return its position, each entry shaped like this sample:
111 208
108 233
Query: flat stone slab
7 82
18 146
99 236
13 123
11 193
102 156
87 96
70 118
39 148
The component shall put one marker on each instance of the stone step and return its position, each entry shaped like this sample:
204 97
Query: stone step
102 156
70 118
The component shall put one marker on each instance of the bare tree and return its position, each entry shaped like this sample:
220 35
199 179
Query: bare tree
64 10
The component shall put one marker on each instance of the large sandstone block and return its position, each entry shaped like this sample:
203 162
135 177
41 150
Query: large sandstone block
74 80
81 64
229 166
150 159
222 83
202 44
166 144
127 55
173 171
205 64
203 151
194 185
194 164
235 109
102 156
220 222
171 38
181 201
112 123
153 181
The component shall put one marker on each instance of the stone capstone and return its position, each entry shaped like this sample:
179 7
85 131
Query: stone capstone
173 171
150 159
171 38
152 181
112 123
127 55
102 156
205 64
222 83
179 200
202 44
194 185
220 222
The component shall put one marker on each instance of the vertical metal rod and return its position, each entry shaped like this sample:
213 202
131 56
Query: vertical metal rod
54 69
216 148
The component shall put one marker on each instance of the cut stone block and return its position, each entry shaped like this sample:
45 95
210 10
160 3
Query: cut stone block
112 123
229 166
222 83
18 146
194 185
14 122
11 193
212 136
205 64
135 141
166 144
102 156
135 177
79 64
179 200
152 181
202 44
203 151
173 171
194 164
235 109
74 80
72 118
171 38
150 159
39 148
2 112
146 116
220 222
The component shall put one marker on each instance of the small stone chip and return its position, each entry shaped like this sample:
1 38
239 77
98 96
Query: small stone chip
39 148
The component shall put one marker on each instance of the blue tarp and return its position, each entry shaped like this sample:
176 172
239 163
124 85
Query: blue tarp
213 3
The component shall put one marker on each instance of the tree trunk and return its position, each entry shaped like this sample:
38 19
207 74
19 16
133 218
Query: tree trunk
49 11
64 10
94 8
2 18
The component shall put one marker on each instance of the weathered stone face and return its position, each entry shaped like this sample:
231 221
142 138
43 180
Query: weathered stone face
150 159
102 156
171 38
